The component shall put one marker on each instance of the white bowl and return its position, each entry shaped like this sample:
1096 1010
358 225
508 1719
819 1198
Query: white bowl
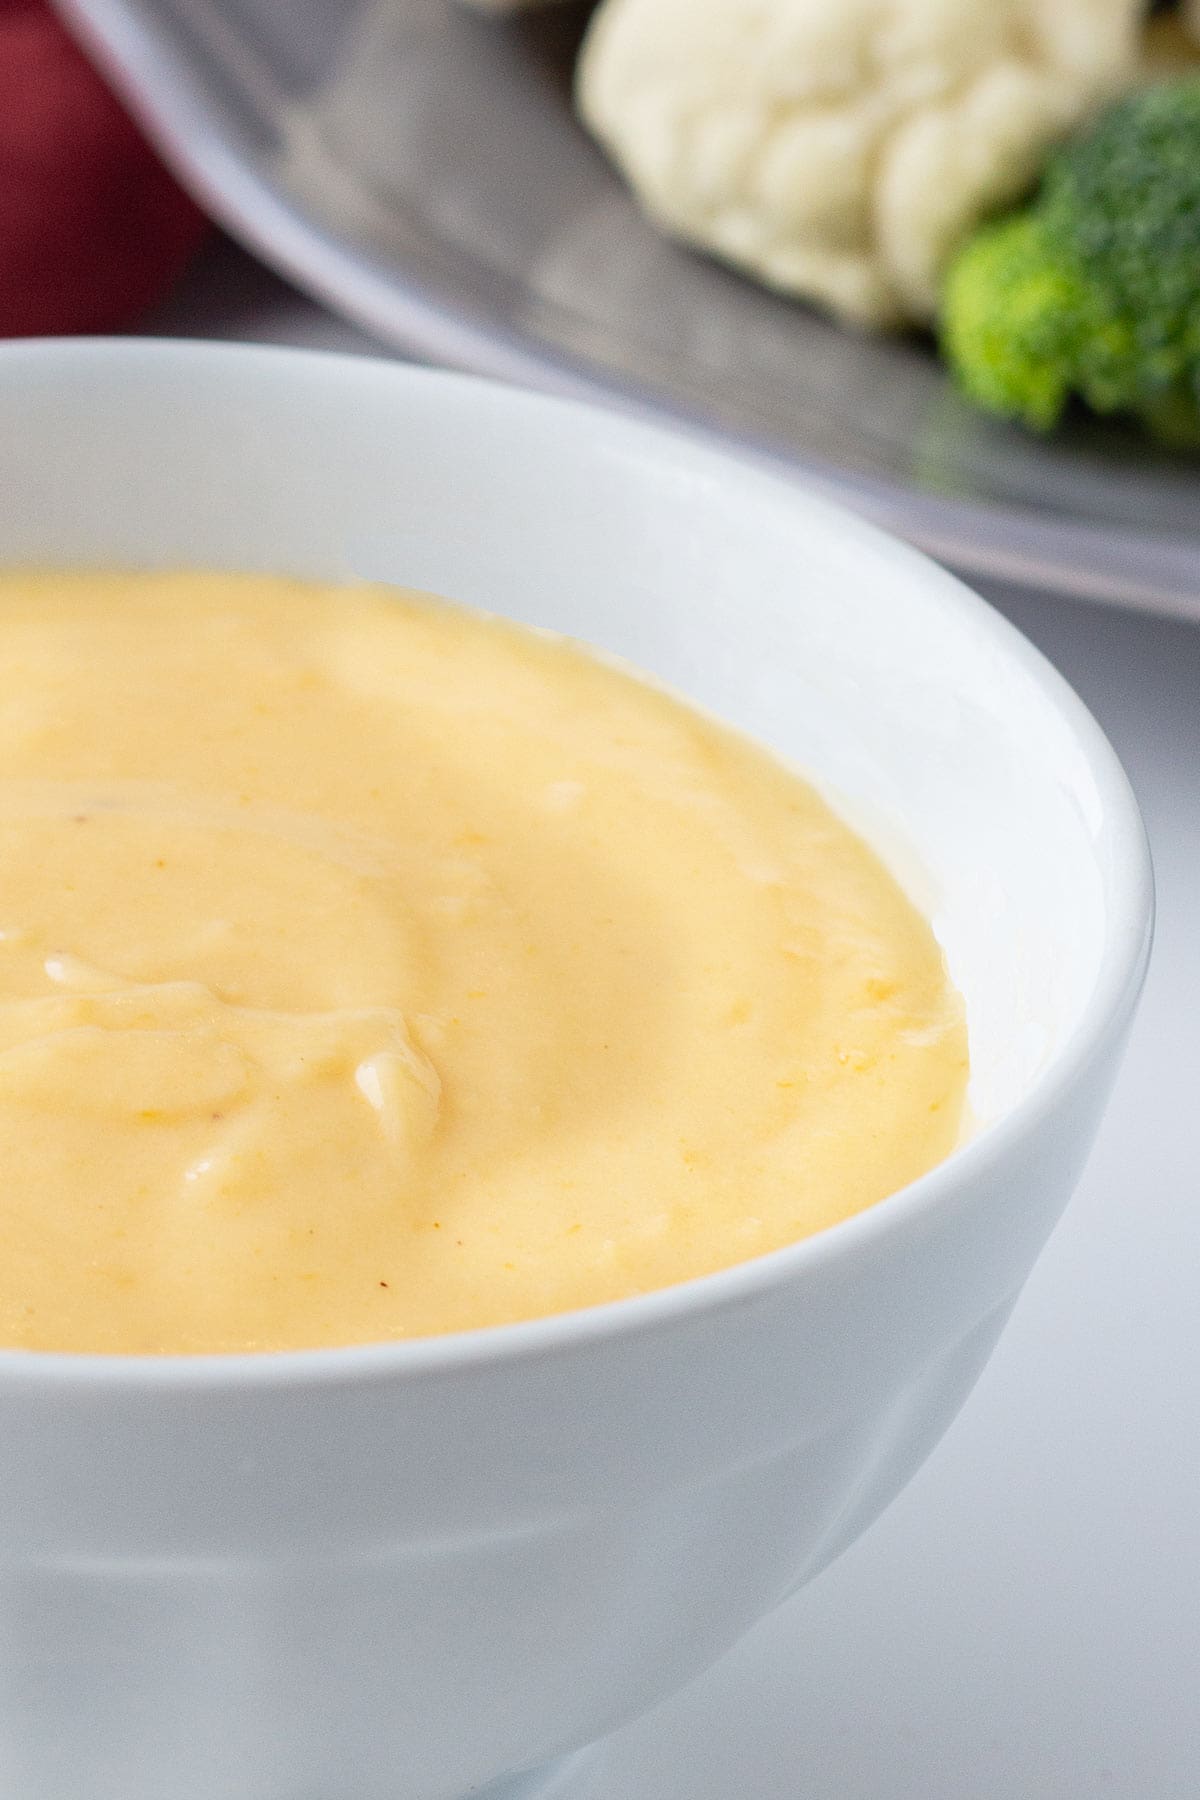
399 1573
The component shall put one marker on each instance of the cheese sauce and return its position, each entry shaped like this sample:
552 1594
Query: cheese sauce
370 968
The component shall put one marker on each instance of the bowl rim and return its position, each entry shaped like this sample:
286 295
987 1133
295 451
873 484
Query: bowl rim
1129 908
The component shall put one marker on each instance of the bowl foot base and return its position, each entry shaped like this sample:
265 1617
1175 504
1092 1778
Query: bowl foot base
571 1778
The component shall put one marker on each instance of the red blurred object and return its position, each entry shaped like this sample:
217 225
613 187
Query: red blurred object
93 229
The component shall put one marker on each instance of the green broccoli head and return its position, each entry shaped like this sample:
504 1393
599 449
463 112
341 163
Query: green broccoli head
1010 307
1094 289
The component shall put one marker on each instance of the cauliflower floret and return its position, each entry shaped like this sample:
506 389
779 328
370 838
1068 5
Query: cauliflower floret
841 151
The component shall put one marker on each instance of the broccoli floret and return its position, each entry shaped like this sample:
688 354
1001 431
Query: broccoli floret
1094 288
1009 321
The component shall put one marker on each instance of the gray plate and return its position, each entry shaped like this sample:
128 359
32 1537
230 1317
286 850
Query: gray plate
419 169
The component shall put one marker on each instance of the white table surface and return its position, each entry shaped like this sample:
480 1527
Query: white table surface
1024 1623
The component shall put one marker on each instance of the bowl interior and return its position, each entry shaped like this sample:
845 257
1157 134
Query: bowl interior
932 726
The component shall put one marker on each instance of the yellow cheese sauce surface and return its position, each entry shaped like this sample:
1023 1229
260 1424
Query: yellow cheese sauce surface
369 969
